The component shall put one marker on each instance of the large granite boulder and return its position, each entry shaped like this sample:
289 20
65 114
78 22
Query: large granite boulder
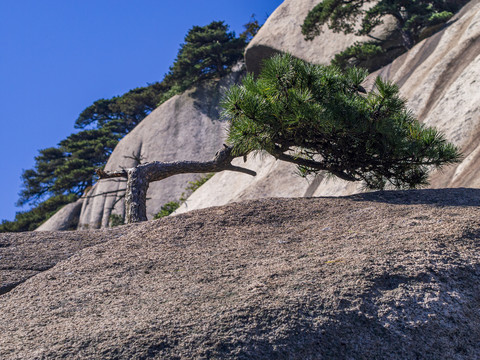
186 127
282 33
440 77
64 219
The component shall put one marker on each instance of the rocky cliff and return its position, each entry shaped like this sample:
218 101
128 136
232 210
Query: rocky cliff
440 77
186 127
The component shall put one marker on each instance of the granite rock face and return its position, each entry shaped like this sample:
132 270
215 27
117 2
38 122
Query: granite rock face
282 33
440 77
64 219
26 254
186 127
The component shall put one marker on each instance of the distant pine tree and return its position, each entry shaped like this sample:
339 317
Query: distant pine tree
208 52
251 29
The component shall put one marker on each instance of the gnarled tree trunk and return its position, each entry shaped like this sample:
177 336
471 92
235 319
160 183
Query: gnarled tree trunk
140 177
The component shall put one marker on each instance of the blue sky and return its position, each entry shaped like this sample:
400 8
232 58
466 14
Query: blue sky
58 56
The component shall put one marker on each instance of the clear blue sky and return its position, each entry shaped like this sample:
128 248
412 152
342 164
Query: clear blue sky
58 56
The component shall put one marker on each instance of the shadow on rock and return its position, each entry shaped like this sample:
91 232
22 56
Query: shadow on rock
438 197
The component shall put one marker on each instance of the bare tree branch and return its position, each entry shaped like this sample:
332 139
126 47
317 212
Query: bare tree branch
280 155
139 178
111 174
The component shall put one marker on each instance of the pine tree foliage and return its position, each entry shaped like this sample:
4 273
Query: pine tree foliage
359 54
344 15
70 167
362 17
208 52
329 122
129 108
251 29
37 182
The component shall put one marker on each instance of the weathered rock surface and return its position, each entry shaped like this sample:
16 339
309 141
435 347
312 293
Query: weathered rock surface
64 219
389 275
186 127
440 77
23 255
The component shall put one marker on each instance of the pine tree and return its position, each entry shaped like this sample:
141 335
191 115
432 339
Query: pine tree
66 171
353 16
208 52
128 109
69 168
251 29
321 119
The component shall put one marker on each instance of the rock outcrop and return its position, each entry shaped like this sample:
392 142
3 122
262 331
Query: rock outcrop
26 254
440 78
64 219
274 179
186 127
282 33
387 275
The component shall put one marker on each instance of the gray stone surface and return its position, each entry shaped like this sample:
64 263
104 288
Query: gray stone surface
282 33
440 77
64 219
26 254
385 276
186 127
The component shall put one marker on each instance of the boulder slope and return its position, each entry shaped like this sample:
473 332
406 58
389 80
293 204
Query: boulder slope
23 255
389 275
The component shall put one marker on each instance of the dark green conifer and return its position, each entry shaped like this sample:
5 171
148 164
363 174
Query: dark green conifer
357 17
129 108
208 52
321 119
